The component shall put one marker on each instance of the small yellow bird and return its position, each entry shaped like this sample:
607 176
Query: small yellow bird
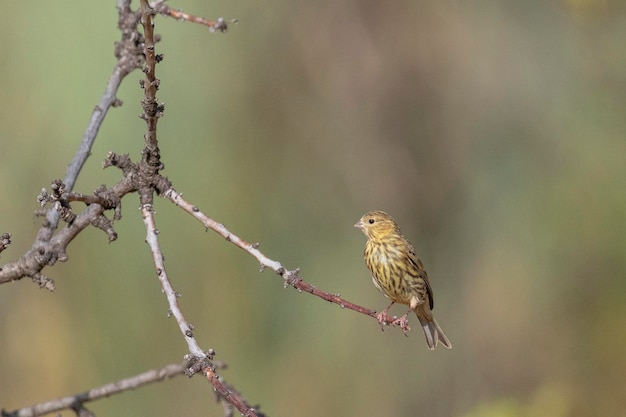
399 274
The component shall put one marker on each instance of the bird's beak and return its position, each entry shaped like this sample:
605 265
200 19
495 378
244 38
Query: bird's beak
359 225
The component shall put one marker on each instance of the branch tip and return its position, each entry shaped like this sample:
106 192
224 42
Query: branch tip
219 25
43 281
5 240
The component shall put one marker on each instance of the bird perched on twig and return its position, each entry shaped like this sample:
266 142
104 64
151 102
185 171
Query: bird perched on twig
399 274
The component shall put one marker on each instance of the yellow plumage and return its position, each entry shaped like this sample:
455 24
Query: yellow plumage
398 273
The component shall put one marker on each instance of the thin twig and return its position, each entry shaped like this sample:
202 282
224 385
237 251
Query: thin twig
172 296
48 253
84 149
227 393
290 277
46 250
218 25
126 63
103 391
149 168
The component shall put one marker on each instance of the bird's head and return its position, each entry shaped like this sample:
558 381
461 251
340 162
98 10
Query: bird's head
377 225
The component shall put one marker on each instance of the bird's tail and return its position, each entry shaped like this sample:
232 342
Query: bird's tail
433 333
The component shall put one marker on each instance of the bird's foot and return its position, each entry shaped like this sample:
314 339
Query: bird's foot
403 322
384 319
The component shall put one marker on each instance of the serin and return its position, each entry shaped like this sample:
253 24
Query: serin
399 274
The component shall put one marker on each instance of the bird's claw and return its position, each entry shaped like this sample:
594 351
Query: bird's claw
403 322
385 320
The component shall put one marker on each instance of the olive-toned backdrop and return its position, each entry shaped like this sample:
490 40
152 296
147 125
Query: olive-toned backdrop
494 132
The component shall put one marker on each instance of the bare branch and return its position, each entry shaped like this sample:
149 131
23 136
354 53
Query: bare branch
46 250
172 296
218 25
132 52
76 401
225 393
49 252
201 361
50 246
290 277
129 59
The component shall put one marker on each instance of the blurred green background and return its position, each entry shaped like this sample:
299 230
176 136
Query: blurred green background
492 131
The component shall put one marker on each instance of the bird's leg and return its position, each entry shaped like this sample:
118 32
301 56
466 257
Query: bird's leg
383 317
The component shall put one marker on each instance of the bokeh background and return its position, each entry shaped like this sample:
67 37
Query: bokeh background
494 132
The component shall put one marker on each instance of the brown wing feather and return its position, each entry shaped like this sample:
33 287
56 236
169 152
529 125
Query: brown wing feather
420 272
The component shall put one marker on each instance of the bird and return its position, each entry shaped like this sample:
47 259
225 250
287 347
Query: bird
399 274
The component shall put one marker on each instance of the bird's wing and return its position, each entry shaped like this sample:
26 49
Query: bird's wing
420 272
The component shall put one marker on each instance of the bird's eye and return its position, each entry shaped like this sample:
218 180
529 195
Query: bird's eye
371 221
